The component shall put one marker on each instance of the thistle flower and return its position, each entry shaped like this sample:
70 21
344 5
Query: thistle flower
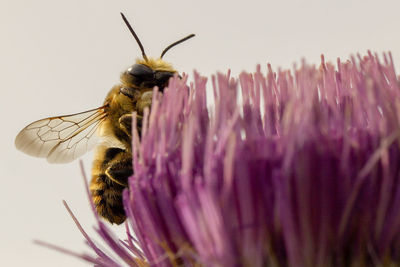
294 168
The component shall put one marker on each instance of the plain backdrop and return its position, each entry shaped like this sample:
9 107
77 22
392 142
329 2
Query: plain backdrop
62 57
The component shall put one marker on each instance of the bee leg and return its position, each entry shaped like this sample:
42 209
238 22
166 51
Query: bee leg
120 169
110 173
125 121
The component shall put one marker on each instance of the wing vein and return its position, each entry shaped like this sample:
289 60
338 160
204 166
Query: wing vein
63 138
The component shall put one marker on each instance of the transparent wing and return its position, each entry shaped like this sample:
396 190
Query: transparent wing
61 139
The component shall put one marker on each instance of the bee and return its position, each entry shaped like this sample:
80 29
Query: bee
62 139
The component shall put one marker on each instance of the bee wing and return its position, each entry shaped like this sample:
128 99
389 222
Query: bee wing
61 139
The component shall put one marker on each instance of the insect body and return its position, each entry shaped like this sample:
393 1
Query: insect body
64 138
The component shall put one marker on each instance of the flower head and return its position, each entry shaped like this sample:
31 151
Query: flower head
296 168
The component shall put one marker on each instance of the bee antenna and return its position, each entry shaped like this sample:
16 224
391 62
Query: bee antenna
177 42
134 35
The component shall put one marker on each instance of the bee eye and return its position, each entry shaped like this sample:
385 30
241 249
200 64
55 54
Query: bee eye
140 71
162 77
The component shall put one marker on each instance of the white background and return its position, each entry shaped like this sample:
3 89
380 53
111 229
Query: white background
62 57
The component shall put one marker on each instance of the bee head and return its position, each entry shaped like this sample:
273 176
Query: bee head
148 72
